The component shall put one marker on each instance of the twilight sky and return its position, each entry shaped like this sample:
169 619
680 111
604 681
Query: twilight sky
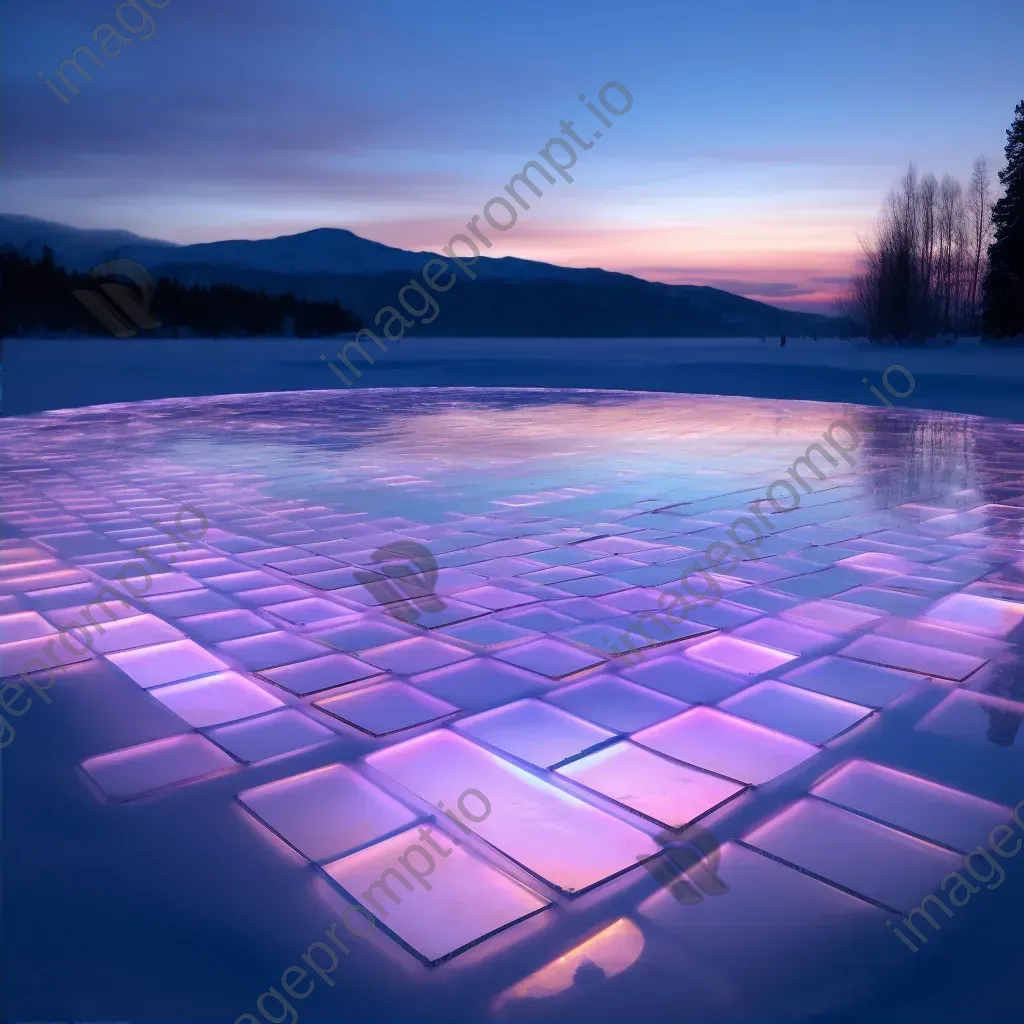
761 139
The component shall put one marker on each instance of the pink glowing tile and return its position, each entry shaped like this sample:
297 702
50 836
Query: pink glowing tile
985 615
665 791
869 859
726 745
977 718
495 598
319 673
421 654
326 812
166 663
134 631
23 626
444 901
554 835
915 805
945 638
881 650
270 650
784 636
282 732
534 732
832 616
148 767
42 581
480 683
214 700
549 658
738 656
615 704
386 708
802 713
854 681
309 610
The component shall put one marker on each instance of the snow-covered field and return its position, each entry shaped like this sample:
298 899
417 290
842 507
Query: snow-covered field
962 377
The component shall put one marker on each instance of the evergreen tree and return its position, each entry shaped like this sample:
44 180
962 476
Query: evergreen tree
1004 283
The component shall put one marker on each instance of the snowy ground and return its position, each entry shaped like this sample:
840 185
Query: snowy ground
64 373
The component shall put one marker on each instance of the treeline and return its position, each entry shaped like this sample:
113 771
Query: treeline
943 259
38 296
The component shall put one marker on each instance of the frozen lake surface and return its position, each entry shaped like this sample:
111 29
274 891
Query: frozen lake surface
269 723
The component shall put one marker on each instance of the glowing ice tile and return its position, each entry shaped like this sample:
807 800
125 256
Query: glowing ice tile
665 791
133 631
802 713
166 663
306 677
549 658
458 899
327 812
883 650
869 859
765 600
831 616
282 732
215 627
615 704
977 718
916 805
726 745
535 732
148 767
892 601
270 650
558 837
784 636
722 614
386 708
23 626
854 681
420 654
214 700
480 683
985 615
738 656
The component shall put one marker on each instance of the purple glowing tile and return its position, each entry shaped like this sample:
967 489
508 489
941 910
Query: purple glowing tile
927 635
298 566
639 599
214 700
495 598
977 718
832 616
84 542
452 580
334 579
784 636
854 681
318 674
882 650
196 602
270 650
162 583
148 767
630 633
924 808
135 631
726 745
540 619
451 613
557 574
985 615
802 713
282 732
166 663
549 658
824 583
554 835
252 579
486 633
511 547
26 657
892 601
722 614
386 708
535 732
207 567
480 683
615 704
641 576
665 791
215 627
869 859
327 812
360 635
685 679
500 568
43 581
420 654
765 600
464 901
593 586
307 611
739 656
266 596
23 626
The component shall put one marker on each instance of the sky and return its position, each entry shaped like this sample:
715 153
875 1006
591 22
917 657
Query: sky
760 142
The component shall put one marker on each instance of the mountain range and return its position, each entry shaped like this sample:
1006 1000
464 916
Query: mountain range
512 297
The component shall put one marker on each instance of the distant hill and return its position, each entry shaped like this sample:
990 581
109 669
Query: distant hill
511 298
